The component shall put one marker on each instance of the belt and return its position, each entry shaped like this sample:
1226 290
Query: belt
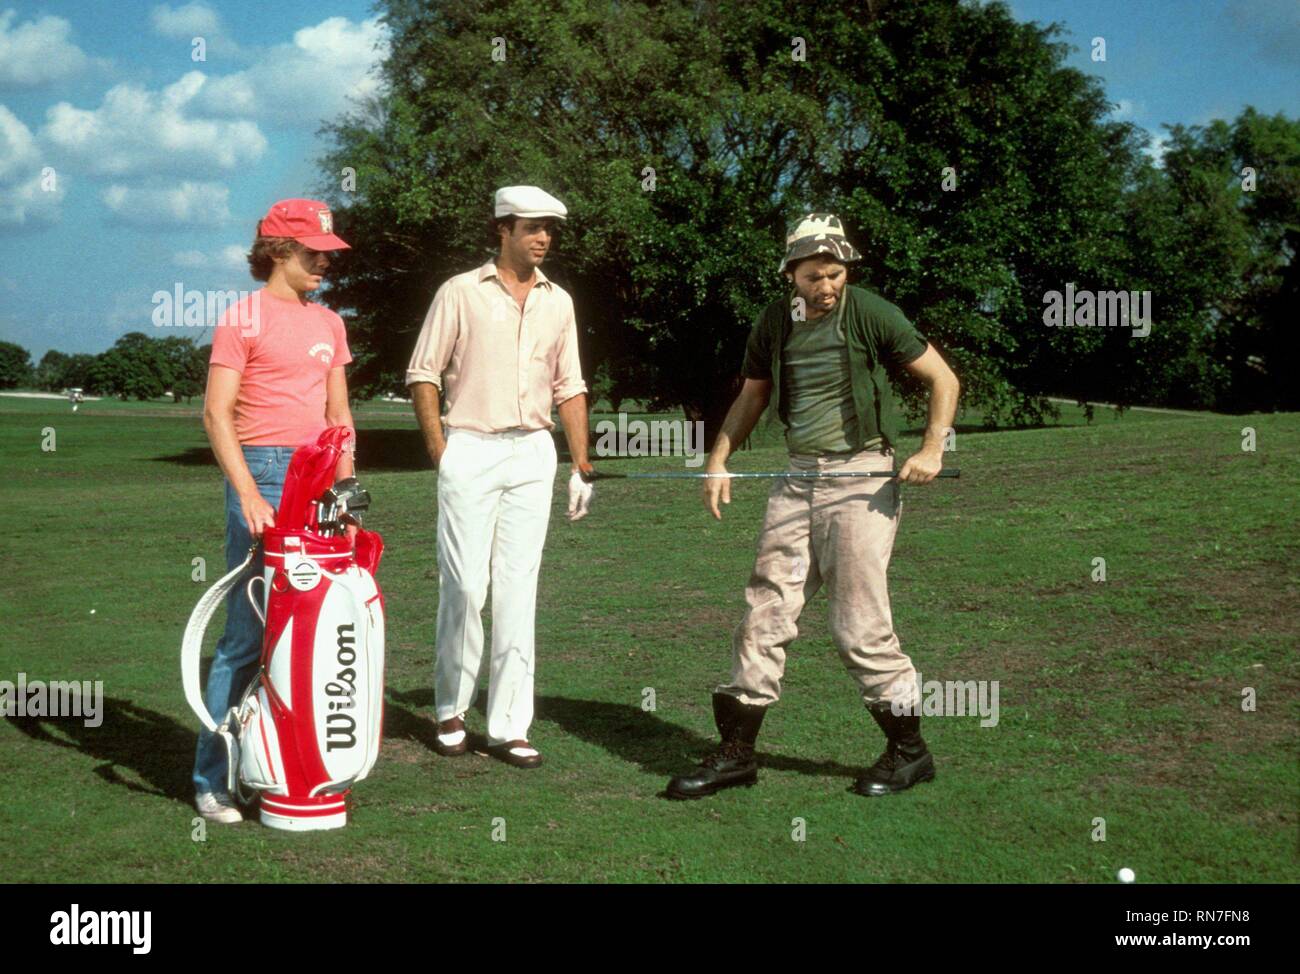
508 434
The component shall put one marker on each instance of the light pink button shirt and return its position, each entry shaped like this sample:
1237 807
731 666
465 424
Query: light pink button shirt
499 369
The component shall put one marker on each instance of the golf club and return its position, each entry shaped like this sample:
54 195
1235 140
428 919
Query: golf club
341 505
786 474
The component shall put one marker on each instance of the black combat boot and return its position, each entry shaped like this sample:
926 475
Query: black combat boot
906 761
731 764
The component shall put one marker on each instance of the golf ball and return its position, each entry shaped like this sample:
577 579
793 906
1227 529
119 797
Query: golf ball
92 612
1126 875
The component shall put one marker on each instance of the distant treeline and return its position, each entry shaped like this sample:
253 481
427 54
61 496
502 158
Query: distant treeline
136 367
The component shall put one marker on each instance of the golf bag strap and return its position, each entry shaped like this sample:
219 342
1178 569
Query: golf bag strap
192 642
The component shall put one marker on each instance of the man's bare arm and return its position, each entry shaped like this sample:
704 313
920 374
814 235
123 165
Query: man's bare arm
428 410
219 422
573 416
742 417
339 413
924 465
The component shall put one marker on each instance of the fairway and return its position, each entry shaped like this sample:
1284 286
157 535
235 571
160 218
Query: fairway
1120 700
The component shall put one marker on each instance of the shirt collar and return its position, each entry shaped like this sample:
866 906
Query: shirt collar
489 270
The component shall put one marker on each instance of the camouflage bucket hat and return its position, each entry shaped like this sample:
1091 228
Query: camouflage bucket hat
818 233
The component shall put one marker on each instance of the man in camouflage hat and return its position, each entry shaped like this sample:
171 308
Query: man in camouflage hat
822 356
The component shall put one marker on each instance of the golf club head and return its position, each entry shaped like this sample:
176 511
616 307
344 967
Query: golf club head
341 505
348 494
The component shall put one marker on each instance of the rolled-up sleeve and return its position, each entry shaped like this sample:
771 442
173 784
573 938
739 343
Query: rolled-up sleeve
437 341
568 369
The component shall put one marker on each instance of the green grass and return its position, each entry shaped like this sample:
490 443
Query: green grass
1119 699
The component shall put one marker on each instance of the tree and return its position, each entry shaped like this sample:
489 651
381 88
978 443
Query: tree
974 170
135 367
77 373
48 374
187 368
196 373
1212 234
15 365
1241 183
58 371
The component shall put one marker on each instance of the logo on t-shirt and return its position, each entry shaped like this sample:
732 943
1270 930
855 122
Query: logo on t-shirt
323 351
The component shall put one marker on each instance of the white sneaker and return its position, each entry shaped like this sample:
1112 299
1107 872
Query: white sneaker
217 808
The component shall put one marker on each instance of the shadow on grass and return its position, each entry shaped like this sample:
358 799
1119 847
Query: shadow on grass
626 732
160 751
195 456
981 428
656 746
392 451
404 723
154 746
397 450
385 450
401 722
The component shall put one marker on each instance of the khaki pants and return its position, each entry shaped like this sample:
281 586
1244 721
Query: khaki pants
838 534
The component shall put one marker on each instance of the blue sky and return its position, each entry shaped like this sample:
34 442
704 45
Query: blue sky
1183 61
163 164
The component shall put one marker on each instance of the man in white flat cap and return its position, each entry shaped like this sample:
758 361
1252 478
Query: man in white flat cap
499 347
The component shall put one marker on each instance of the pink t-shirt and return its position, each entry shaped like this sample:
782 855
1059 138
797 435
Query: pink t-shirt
284 351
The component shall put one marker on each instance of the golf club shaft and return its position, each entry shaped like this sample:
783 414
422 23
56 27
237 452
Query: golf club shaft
765 475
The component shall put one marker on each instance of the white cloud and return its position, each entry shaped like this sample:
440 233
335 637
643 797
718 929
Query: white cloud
37 51
316 77
195 20
139 131
35 201
191 20
188 204
1125 108
229 257
1156 148
232 94
29 194
17 146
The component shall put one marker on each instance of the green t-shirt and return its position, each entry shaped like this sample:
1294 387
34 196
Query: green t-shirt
820 417
878 337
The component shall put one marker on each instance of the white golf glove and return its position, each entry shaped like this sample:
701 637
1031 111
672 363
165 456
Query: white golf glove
580 494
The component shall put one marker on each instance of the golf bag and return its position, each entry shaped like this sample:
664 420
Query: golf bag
309 724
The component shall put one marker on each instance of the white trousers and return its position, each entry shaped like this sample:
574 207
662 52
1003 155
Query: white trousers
494 504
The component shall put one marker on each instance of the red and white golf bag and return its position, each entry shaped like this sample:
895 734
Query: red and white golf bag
310 723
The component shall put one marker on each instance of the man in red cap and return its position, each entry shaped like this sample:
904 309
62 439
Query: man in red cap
275 382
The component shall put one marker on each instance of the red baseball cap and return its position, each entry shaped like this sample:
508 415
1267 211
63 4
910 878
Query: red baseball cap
307 221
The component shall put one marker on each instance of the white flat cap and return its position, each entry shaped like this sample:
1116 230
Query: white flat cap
528 201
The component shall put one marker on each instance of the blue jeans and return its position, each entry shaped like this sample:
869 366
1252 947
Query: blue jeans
239 649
